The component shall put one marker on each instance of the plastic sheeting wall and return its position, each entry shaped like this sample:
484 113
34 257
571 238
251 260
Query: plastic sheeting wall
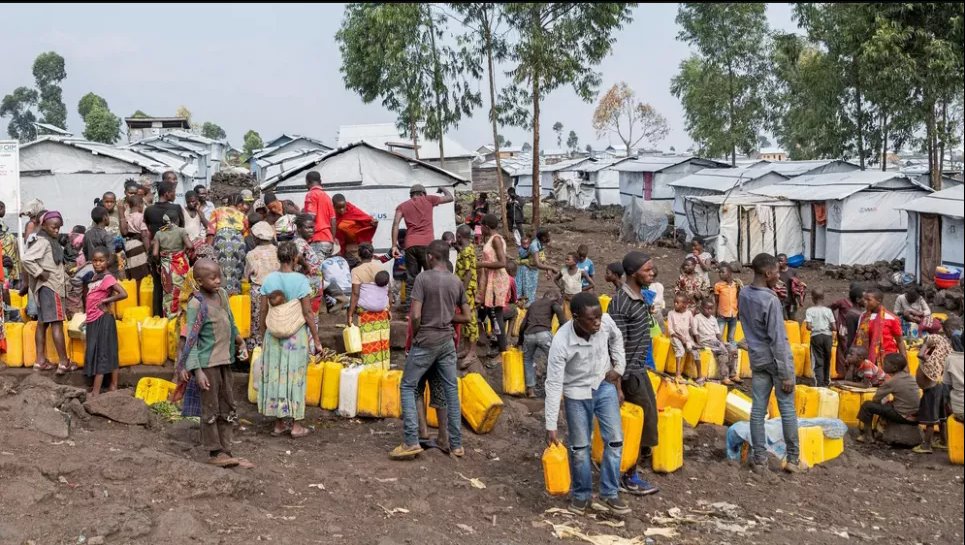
607 183
72 194
953 244
865 227
524 186
746 231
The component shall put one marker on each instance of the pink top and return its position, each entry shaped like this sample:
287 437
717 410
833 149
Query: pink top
417 213
97 291
496 293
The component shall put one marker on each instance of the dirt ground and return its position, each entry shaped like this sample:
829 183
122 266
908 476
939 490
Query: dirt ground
112 483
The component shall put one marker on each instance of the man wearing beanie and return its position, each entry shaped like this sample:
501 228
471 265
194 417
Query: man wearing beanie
631 310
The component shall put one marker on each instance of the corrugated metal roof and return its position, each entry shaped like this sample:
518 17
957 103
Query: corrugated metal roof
720 179
832 186
379 134
739 198
651 164
797 168
52 128
947 202
569 164
603 164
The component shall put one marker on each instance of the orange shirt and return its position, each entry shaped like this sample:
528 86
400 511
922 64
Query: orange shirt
726 298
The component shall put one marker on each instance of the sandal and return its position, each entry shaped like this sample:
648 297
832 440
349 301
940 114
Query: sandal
223 460
405 452
243 463
300 434
458 452
276 432
45 366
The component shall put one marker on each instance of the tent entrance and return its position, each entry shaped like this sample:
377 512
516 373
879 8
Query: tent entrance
819 231
930 245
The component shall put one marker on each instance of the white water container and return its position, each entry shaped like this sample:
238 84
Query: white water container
348 391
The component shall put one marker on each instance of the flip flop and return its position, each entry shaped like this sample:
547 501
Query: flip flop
46 366
404 452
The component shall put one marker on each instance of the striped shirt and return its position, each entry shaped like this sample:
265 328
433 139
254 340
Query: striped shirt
631 313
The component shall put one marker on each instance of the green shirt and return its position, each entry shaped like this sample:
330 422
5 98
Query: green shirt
216 339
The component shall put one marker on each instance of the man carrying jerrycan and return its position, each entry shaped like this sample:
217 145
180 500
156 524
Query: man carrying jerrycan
586 361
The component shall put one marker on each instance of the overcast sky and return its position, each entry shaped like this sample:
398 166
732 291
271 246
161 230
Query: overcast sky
275 68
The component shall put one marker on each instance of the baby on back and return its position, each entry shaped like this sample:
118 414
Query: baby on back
375 297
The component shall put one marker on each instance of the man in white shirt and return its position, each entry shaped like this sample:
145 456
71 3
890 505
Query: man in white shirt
586 361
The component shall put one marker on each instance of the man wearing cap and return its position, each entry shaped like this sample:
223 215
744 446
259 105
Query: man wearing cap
417 213
319 204
631 310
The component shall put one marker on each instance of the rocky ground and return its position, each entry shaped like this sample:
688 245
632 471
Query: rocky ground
68 476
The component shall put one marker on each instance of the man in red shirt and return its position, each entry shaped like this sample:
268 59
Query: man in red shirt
319 204
417 213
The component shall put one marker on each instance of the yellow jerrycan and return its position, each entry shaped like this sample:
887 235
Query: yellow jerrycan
556 470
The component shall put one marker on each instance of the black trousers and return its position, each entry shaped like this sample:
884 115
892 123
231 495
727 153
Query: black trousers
416 261
638 390
871 409
495 316
821 347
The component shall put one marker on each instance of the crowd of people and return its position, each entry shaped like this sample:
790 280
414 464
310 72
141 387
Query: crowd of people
303 261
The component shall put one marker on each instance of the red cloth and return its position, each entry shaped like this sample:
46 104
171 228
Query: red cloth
354 226
97 292
319 204
879 333
417 213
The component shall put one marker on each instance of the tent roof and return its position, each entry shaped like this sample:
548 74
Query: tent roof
739 199
719 179
569 164
314 160
797 168
832 186
381 134
128 156
603 164
947 202
657 163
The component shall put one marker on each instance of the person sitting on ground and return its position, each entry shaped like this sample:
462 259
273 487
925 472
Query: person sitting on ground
932 356
691 284
861 372
536 335
912 308
707 334
904 404
680 323
614 275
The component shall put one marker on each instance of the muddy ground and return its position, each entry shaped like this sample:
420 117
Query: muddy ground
113 483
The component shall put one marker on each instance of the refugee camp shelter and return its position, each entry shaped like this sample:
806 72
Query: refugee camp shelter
936 232
648 178
281 149
68 174
569 182
458 159
804 168
850 218
140 128
696 219
195 157
375 180
604 180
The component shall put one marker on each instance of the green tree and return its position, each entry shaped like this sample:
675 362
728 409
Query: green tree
483 43
558 129
397 52
212 130
573 141
721 85
140 114
558 44
17 106
253 142
49 70
100 125
630 120
89 102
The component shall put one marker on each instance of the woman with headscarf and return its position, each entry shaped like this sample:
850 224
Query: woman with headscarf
285 224
170 248
310 265
259 263
226 232
43 262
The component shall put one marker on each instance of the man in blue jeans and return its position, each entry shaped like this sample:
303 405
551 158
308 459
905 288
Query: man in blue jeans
536 334
436 294
772 366
586 361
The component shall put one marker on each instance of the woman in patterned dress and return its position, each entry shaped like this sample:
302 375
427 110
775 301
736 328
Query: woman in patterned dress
494 289
226 232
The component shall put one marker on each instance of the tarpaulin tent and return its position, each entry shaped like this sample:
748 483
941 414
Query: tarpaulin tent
936 232
751 224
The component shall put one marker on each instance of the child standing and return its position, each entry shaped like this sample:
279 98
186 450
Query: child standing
703 260
680 322
931 408
691 284
707 333
43 261
585 264
570 280
535 335
210 349
772 366
904 391
820 322
726 292
100 355
614 275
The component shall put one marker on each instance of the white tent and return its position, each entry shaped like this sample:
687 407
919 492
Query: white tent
605 180
376 181
569 182
751 224
648 178
68 174
696 219
936 232
850 218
